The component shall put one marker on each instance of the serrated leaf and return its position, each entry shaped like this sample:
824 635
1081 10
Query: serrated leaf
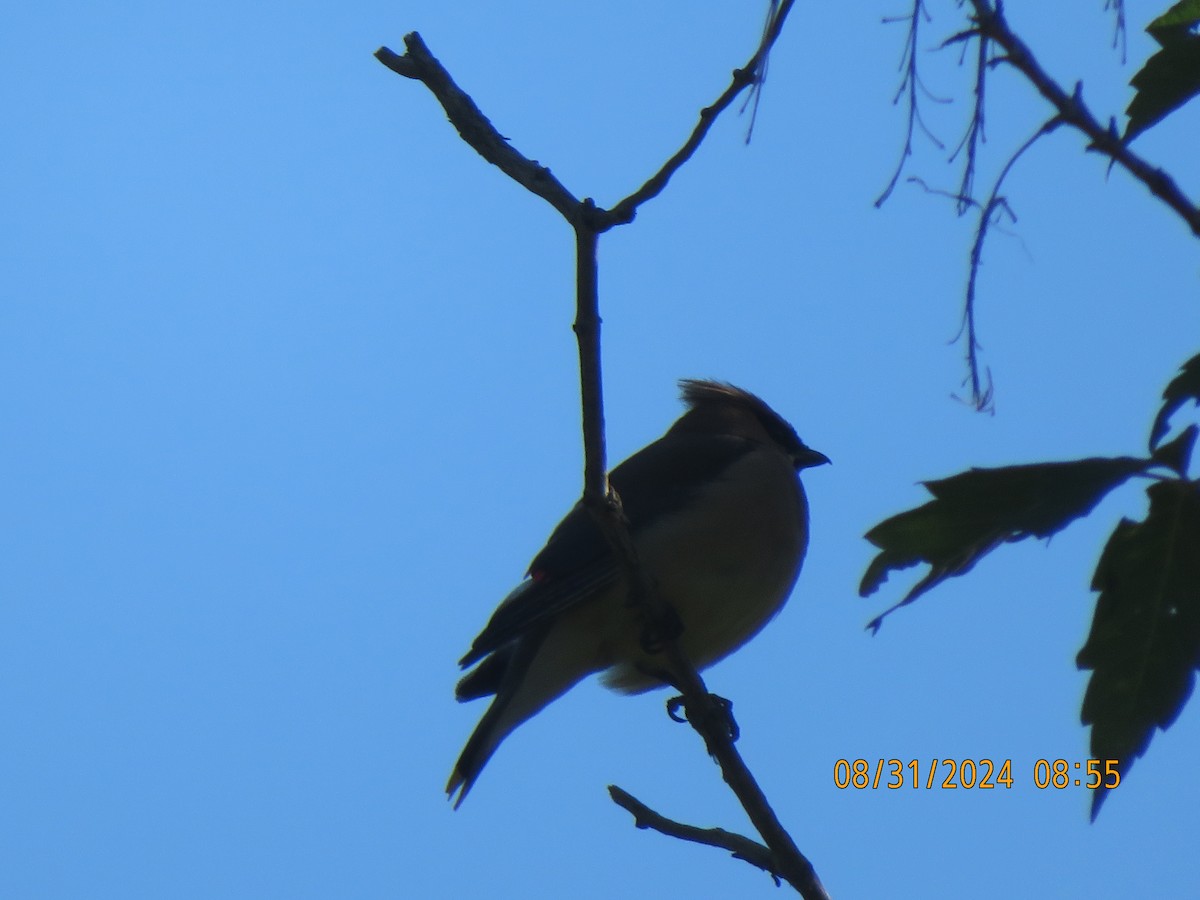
1185 386
1184 14
974 512
1144 645
1169 79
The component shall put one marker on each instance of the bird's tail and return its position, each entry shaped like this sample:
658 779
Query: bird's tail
503 674
537 669
483 742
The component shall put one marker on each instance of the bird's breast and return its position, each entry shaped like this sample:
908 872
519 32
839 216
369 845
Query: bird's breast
727 561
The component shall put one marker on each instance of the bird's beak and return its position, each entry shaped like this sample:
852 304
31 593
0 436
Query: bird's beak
808 457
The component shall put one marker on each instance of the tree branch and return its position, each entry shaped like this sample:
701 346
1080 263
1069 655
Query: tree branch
474 127
739 845
742 78
992 25
789 863
911 87
999 45
975 131
605 506
981 386
1118 8
588 222
591 381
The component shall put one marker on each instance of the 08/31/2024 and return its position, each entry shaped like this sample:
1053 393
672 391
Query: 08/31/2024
981 774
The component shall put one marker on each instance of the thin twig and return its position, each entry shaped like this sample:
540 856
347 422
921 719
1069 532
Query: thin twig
975 131
739 845
989 211
981 385
991 24
910 88
1119 35
742 78
760 73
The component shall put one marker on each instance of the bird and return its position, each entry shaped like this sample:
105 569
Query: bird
719 521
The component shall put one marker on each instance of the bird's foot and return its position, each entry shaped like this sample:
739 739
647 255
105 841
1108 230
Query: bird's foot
717 706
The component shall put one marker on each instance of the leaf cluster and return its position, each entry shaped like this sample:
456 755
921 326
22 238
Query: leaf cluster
1144 645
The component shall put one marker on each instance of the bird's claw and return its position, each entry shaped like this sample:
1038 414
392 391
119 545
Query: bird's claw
673 706
719 706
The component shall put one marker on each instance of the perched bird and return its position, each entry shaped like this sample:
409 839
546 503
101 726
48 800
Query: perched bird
720 523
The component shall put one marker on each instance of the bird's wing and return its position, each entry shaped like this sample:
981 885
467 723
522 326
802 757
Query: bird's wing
538 600
577 562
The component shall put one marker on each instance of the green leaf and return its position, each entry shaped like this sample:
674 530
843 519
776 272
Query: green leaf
974 512
1185 386
1144 645
1169 79
1184 14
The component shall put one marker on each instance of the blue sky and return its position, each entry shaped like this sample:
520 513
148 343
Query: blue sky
291 401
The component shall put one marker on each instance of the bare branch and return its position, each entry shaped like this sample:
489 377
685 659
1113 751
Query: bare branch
910 87
981 384
991 29
701 708
588 222
975 132
739 845
760 73
587 334
473 126
1119 34
749 74
790 864
990 213
991 23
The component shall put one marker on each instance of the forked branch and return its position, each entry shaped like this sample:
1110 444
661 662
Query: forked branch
589 221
